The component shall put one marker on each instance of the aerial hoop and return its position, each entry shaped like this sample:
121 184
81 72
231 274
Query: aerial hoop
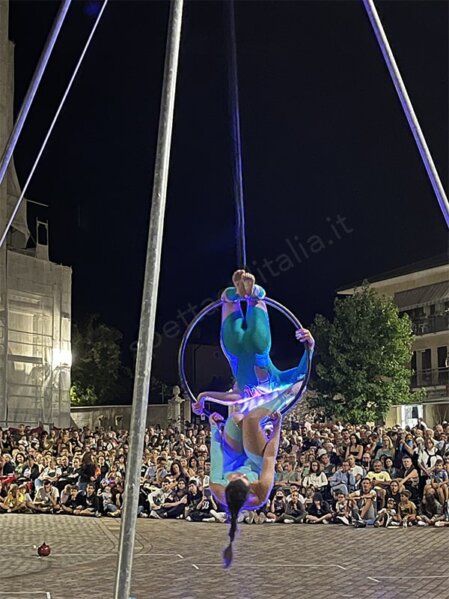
292 395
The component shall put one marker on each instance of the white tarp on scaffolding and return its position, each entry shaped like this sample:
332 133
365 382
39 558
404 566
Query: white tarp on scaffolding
38 341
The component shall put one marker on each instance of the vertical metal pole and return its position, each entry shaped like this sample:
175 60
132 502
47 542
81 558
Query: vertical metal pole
6 340
407 107
149 302
32 89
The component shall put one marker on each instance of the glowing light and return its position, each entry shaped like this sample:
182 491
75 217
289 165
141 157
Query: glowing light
61 357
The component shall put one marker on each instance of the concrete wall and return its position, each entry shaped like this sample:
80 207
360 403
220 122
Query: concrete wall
436 413
115 416
393 416
433 413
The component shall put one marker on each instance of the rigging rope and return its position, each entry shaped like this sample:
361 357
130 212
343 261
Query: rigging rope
33 87
407 106
237 175
53 123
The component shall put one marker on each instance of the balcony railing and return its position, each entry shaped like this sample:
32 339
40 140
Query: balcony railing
431 377
430 324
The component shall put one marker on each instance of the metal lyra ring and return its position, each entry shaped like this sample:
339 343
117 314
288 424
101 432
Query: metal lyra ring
213 306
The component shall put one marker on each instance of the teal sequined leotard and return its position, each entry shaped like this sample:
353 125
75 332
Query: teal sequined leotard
246 343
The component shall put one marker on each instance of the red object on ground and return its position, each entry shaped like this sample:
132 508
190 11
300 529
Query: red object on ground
44 550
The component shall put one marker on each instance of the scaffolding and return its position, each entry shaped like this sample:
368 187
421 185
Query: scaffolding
36 329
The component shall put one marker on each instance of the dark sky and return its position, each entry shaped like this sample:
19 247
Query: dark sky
323 135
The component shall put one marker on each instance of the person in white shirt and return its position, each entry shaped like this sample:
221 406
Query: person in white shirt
357 471
158 497
315 478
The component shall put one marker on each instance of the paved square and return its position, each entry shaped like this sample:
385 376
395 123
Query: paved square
182 560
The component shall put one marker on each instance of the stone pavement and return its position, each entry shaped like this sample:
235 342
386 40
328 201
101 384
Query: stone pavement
182 560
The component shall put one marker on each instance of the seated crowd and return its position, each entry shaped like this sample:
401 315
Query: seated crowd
326 473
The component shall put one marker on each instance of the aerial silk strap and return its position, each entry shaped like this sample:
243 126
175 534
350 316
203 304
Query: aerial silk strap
237 175
53 123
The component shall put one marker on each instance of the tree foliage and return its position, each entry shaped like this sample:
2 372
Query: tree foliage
96 368
363 357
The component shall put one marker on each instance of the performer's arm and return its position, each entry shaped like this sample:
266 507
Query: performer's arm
296 374
269 460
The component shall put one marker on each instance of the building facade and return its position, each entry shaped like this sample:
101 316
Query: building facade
422 291
35 295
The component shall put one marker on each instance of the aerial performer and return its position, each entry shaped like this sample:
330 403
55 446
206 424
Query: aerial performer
246 343
244 447
243 458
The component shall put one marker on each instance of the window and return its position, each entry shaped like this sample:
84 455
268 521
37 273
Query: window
426 360
442 357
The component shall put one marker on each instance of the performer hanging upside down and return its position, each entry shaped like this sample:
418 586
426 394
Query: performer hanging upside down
243 458
246 342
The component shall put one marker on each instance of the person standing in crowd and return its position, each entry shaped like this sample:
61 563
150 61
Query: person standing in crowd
87 471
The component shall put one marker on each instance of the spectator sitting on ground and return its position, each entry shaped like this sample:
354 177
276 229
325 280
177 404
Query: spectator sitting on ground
354 448
107 503
315 477
386 450
15 500
278 506
326 465
387 516
174 505
342 511
343 480
439 481
288 474
8 465
393 492
380 479
3 492
159 496
46 498
64 494
295 487
72 501
294 510
364 502
366 462
406 509
319 512
87 471
90 504
308 493
194 496
206 510
51 471
409 479
356 470
431 510
390 468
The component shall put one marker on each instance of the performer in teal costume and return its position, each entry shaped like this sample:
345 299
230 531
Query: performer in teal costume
243 458
246 343
244 450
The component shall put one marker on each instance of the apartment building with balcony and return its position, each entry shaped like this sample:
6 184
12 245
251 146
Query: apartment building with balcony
422 291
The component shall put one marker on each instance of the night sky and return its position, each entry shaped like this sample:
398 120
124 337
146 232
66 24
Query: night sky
323 136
